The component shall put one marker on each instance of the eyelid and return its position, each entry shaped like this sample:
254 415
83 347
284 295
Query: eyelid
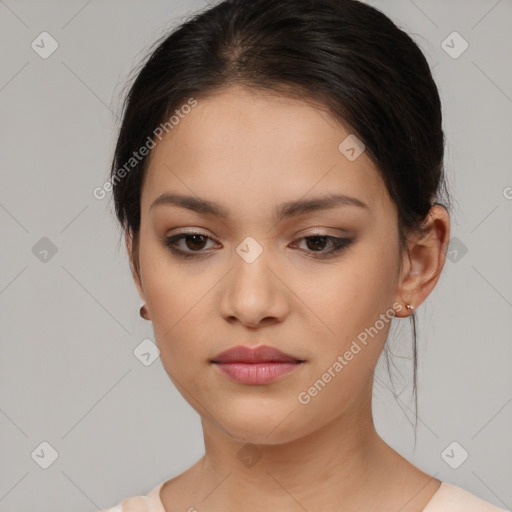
301 234
325 232
188 230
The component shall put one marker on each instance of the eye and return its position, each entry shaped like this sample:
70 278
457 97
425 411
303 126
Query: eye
194 244
193 241
316 243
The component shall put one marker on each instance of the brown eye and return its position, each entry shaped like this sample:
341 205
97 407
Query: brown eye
194 243
318 243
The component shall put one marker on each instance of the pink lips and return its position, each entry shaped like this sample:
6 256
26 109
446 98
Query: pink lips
257 366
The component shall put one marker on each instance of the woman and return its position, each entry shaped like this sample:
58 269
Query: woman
277 177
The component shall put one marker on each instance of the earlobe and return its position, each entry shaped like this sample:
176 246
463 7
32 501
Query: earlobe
143 312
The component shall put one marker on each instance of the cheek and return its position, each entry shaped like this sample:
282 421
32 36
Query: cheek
170 293
349 296
354 302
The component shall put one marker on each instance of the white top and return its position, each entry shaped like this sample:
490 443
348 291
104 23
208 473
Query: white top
448 498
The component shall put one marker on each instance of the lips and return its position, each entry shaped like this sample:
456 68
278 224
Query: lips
261 354
255 366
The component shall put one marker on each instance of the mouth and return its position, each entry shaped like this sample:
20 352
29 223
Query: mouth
261 354
258 366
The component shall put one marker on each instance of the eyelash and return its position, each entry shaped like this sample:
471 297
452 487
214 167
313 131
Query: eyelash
339 244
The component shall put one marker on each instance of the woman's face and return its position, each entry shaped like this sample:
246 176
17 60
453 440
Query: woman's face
253 277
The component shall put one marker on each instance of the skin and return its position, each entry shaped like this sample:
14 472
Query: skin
249 152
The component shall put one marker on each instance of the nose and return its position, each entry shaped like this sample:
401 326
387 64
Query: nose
254 294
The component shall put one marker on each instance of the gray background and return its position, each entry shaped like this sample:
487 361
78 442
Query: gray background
70 320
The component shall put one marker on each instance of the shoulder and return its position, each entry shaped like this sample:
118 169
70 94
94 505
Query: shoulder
451 498
142 503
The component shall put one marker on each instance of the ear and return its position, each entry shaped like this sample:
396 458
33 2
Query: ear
424 259
132 249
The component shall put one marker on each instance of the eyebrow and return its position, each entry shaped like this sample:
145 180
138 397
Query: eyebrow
282 211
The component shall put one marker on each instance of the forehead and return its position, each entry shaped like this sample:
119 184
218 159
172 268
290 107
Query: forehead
250 148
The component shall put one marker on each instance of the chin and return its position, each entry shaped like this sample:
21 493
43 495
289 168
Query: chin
269 429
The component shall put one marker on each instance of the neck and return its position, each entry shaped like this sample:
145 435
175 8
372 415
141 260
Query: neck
341 460
341 464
